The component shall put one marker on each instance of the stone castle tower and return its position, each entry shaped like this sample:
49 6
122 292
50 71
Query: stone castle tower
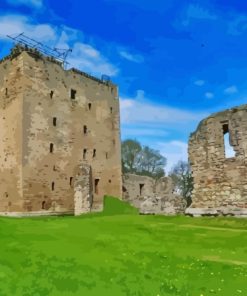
59 137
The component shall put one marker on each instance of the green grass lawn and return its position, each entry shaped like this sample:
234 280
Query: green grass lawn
119 252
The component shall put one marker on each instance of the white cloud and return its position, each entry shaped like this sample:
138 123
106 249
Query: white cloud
238 26
231 90
84 56
131 57
199 82
174 151
198 12
139 110
16 24
90 60
209 95
33 3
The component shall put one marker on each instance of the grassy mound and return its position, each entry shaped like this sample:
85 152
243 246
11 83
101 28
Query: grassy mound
114 206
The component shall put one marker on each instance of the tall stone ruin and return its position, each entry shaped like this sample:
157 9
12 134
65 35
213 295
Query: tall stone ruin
220 180
59 137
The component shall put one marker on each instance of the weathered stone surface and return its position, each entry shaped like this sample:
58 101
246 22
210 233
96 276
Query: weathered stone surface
52 121
151 196
83 195
219 182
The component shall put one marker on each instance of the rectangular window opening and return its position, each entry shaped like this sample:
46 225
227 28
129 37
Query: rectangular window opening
84 153
106 155
89 106
141 186
51 94
72 94
54 121
52 186
6 91
51 147
94 153
85 129
96 186
228 148
70 181
111 109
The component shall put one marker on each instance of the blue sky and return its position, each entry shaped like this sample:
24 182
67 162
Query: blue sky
175 61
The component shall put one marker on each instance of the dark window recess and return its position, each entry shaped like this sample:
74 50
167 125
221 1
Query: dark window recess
94 153
84 153
54 121
6 91
52 186
51 94
6 194
96 186
141 186
72 94
89 106
54 168
70 181
109 180
229 151
51 147
85 129
111 109
124 189
106 155
43 205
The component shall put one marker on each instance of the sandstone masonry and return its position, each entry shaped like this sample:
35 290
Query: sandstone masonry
60 137
220 182
152 196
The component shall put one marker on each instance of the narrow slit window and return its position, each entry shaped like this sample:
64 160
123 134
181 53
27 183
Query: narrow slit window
96 186
73 94
229 151
6 91
51 147
54 168
52 186
106 155
51 94
111 109
54 121
94 153
141 186
89 106
70 181
85 129
43 205
84 153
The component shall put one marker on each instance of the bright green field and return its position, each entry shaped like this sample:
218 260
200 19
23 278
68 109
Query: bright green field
121 253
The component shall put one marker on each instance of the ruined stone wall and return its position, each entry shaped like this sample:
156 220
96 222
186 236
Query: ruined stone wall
83 195
220 183
69 119
152 196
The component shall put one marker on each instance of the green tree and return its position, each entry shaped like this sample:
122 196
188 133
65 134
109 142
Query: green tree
130 152
182 177
142 160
